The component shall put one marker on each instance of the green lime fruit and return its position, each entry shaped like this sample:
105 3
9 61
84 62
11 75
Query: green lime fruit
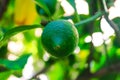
51 5
59 38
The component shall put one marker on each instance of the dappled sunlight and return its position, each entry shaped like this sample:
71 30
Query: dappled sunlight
27 54
114 10
82 7
97 39
46 56
28 70
15 47
38 32
12 57
43 77
77 50
88 39
67 8
12 77
106 28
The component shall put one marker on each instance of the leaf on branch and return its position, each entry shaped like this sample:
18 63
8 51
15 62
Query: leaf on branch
16 64
16 30
42 4
117 21
72 2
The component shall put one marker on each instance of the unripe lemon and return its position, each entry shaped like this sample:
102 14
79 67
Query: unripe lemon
60 38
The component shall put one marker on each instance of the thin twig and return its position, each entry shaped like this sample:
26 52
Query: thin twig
113 25
114 68
97 15
110 22
105 6
91 21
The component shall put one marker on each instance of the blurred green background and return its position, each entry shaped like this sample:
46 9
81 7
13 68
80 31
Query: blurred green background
97 56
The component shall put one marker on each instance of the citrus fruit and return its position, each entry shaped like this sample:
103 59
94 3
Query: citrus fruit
59 38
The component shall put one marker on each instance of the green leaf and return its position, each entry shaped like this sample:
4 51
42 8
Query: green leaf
72 3
116 41
110 3
51 5
58 12
5 75
117 21
14 31
15 65
42 4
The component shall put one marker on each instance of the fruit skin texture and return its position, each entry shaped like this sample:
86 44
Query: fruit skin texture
59 38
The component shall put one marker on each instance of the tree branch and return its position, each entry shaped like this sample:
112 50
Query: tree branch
97 15
114 68
110 22
113 25
92 10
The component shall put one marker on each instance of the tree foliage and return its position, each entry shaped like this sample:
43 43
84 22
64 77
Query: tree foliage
21 25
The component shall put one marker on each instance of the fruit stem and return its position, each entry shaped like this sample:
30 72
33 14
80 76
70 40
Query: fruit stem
97 15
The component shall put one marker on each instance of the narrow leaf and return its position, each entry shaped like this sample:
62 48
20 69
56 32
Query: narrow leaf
43 6
72 3
58 13
15 65
14 31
